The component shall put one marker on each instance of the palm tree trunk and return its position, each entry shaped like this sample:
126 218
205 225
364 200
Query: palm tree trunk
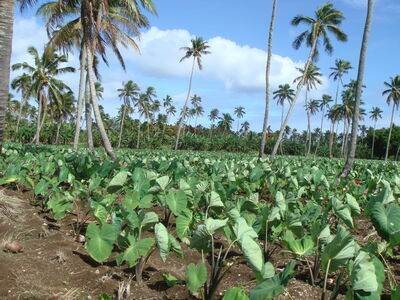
40 101
97 115
373 142
308 142
58 131
122 126
88 117
19 115
361 67
343 138
390 133
82 80
320 135
183 113
337 89
6 32
293 103
397 153
267 75
138 135
331 139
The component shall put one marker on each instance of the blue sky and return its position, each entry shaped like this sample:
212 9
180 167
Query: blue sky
233 74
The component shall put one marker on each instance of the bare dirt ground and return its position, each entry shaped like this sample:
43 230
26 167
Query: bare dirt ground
53 265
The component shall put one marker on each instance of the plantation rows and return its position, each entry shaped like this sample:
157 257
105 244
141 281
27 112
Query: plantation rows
215 202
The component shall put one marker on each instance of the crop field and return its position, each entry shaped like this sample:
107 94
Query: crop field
202 225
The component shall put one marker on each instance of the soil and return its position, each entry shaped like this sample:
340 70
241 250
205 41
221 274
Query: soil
53 265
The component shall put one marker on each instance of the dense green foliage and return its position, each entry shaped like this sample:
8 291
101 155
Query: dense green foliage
251 202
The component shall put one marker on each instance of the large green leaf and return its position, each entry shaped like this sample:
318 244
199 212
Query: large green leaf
339 250
117 181
236 293
162 240
100 241
387 221
176 201
195 276
163 182
272 287
135 250
183 223
303 246
201 239
363 276
343 212
215 200
253 253
213 225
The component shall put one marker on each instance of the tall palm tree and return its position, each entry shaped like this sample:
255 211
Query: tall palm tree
171 110
375 115
127 94
150 94
282 94
142 107
6 27
22 85
323 105
267 83
195 100
44 83
244 128
214 115
312 108
63 110
310 78
225 122
327 19
239 113
198 111
197 50
167 101
335 114
341 68
94 26
358 91
393 95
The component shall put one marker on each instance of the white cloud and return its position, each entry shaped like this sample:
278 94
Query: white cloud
240 68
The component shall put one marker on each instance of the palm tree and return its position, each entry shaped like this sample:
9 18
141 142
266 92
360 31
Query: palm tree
323 104
283 93
149 96
239 113
214 115
22 85
244 128
327 19
376 114
93 26
267 83
44 86
341 68
63 110
195 100
198 48
6 25
225 122
393 95
128 93
198 111
358 91
310 79
334 115
171 110
312 107
167 101
142 107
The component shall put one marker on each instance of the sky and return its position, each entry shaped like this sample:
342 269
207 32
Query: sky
234 73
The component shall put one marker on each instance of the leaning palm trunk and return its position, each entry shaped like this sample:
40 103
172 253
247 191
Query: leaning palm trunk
183 113
343 138
397 153
390 133
356 115
122 126
80 98
41 117
267 74
331 139
88 117
58 131
20 114
96 110
373 142
6 32
293 103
